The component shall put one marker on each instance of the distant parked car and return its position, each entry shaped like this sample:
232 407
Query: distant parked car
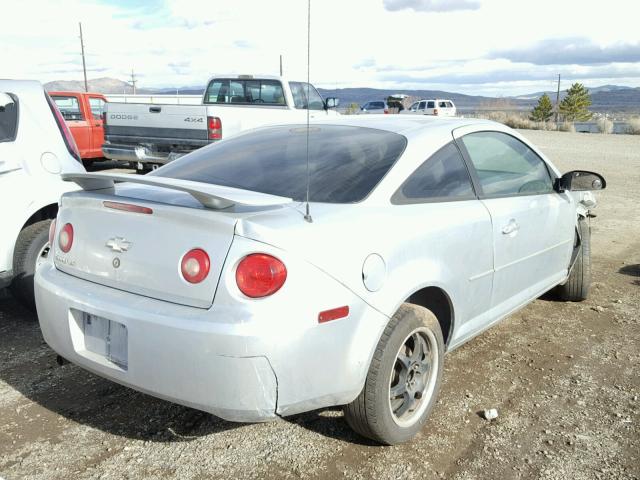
207 283
439 107
36 147
83 113
374 107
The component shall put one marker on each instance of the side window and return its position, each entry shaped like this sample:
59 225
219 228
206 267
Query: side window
69 107
443 176
506 166
8 117
315 102
449 105
422 105
431 105
414 106
442 104
97 106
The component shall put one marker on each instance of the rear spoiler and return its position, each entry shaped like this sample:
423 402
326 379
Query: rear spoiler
211 196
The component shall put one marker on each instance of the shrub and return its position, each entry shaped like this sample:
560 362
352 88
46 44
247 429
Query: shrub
567 127
633 126
352 109
605 125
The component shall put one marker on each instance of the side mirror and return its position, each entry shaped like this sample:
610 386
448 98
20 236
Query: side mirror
580 181
332 102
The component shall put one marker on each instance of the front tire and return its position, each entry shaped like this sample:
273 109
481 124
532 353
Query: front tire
403 379
32 247
576 288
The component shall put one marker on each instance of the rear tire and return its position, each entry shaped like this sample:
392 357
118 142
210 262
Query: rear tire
576 288
399 374
31 246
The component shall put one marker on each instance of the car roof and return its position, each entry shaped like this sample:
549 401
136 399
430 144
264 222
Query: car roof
20 86
407 125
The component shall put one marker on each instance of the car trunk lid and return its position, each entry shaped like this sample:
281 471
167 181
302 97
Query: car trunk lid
133 237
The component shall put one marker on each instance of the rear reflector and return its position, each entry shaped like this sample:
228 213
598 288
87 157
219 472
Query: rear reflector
195 265
333 314
65 237
128 207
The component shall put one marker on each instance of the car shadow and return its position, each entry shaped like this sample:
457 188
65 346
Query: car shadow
28 365
632 271
329 422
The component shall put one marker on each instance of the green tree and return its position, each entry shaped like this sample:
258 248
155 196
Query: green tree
543 111
575 106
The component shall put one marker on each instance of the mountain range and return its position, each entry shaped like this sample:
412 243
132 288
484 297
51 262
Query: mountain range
605 98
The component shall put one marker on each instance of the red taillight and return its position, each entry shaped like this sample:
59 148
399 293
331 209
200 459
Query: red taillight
69 142
386 110
128 207
260 275
435 111
214 126
333 314
195 265
52 231
65 237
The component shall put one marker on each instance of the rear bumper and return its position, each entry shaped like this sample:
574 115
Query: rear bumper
136 153
214 360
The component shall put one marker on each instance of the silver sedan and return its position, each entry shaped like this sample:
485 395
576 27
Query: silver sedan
291 268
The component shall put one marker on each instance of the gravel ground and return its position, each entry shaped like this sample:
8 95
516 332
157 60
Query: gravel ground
564 378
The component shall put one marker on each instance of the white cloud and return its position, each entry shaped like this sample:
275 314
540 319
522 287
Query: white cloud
431 5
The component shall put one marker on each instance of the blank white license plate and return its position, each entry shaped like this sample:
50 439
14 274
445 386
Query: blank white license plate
106 338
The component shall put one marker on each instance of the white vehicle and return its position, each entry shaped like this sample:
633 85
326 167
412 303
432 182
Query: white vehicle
36 147
213 283
150 135
438 106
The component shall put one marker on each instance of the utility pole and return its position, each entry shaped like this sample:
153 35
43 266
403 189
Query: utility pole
133 81
84 65
558 102
280 65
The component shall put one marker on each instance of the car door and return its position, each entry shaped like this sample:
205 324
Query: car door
76 120
96 107
452 228
430 107
533 225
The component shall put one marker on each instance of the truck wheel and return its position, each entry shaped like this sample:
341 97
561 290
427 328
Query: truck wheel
576 288
403 379
32 248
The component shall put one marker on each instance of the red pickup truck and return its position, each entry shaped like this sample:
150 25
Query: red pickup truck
83 113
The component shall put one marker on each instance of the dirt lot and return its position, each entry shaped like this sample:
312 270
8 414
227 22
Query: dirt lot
565 378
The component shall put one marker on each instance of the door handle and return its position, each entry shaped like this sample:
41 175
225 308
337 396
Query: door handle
511 227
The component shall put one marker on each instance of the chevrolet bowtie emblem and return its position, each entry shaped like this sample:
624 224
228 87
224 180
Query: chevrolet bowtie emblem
118 244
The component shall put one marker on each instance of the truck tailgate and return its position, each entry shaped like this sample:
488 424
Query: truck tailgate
167 124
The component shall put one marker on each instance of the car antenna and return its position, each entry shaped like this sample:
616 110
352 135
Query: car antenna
307 215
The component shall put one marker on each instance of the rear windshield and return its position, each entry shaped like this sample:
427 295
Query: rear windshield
345 162
245 92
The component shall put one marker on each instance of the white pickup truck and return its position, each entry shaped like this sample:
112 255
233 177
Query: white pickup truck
150 135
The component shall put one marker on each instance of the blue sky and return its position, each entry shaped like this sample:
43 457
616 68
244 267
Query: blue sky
489 47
